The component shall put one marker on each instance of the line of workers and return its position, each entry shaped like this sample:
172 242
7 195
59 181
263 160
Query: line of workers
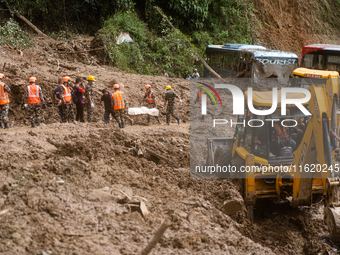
83 97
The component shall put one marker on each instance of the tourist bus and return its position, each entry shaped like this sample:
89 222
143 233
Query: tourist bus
251 61
321 57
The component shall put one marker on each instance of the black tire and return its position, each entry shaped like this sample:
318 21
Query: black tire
222 158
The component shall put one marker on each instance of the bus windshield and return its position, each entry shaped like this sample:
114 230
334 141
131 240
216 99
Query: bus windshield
321 57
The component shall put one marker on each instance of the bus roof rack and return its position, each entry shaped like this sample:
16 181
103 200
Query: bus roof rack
323 45
243 46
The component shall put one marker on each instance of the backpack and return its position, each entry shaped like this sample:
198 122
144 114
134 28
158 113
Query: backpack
74 96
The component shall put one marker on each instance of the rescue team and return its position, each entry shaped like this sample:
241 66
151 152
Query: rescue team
83 97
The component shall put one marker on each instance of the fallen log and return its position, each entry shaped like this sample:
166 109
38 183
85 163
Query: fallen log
197 55
160 157
37 30
63 65
156 238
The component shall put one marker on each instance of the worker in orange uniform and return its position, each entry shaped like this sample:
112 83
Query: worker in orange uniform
34 98
4 102
66 99
119 102
152 101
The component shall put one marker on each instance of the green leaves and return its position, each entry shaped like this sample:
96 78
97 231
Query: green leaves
148 54
11 34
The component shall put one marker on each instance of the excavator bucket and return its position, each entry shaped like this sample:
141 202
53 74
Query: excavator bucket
332 219
219 151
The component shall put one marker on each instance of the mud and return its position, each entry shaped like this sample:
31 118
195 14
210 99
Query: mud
76 187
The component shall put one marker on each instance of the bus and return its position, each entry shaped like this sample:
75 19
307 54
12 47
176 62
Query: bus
321 57
250 61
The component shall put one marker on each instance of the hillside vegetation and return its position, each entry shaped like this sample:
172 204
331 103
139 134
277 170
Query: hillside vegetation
282 25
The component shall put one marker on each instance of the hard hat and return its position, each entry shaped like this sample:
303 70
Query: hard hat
116 86
168 87
2 76
32 79
66 79
147 86
195 70
91 78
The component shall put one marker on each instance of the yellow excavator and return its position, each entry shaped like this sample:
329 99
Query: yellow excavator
295 163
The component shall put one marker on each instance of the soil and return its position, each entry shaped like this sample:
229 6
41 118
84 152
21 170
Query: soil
82 188
290 24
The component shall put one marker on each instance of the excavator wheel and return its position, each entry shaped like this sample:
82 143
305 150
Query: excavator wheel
332 219
222 158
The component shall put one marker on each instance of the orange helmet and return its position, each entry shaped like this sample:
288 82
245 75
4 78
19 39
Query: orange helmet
2 76
147 86
66 79
116 86
32 79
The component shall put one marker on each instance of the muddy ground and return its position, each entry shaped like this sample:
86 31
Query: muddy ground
80 188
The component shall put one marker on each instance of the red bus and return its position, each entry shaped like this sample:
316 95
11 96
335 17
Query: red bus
321 57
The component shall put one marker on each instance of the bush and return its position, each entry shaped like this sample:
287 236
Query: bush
148 54
11 34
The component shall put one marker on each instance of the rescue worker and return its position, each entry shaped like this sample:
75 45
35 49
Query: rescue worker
108 105
119 102
66 99
199 98
34 96
57 98
89 97
78 92
4 102
170 110
152 101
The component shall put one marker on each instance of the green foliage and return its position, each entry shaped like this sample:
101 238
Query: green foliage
11 34
148 54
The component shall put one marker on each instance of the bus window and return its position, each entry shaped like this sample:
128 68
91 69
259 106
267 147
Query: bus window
319 62
333 63
308 60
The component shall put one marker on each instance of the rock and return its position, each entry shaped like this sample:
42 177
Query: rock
143 209
173 140
231 207
100 196
16 236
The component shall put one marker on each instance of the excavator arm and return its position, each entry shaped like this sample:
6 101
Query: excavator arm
313 161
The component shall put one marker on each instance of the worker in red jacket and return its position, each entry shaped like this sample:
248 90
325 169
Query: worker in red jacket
78 99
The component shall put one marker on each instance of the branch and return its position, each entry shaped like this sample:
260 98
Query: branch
197 55
28 23
156 238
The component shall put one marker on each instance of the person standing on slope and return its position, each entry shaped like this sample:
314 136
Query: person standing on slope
4 102
34 97
89 97
170 110
152 101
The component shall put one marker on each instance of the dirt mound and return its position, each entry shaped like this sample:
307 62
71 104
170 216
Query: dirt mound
290 24
67 191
